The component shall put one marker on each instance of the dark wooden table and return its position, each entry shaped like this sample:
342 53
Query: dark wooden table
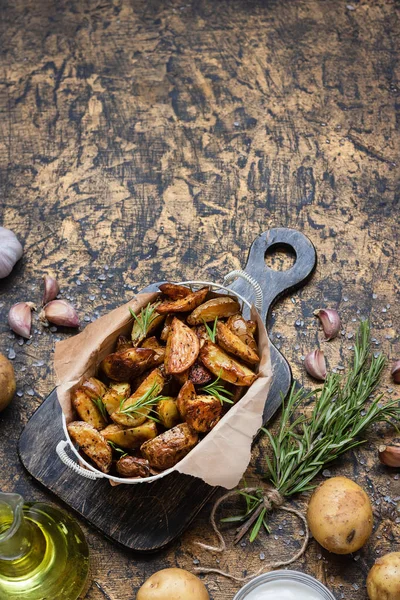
151 140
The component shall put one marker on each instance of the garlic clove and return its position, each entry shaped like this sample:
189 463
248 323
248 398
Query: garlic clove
315 364
330 322
51 289
60 312
20 318
389 455
10 251
395 372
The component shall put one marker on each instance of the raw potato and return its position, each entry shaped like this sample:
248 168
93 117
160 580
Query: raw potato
122 366
340 515
168 412
182 348
167 449
173 584
225 367
224 306
187 393
87 409
383 582
7 382
94 388
154 381
132 437
245 330
183 304
92 443
175 291
130 466
138 335
230 342
203 413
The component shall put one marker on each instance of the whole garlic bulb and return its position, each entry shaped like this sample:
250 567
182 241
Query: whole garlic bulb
10 251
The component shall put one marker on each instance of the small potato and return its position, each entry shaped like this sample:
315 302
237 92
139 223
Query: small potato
203 413
122 366
340 515
187 393
173 584
168 412
225 367
130 466
132 418
153 321
199 375
132 437
174 291
182 348
245 330
8 385
87 409
186 304
232 343
92 443
94 388
223 306
167 449
383 582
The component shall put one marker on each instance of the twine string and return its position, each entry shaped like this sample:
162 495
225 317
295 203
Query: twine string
271 500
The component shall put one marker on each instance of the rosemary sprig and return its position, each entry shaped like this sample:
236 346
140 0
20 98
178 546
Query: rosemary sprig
212 333
147 400
117 449
101 406
218 391
303 446
146 317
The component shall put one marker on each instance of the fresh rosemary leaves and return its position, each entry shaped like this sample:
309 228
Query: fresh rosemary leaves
212 333
218 391
147 402
100 405
146 317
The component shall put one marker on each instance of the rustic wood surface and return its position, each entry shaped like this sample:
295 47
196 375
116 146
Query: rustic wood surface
150 140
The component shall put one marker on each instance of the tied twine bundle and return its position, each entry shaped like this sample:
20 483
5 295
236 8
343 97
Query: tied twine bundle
271 500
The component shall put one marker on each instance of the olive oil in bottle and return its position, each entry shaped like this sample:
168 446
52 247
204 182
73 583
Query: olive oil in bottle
43 552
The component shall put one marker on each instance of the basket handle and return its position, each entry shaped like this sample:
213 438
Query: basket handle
71 464
232 275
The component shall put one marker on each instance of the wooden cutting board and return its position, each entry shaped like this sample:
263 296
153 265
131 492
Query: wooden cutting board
146 517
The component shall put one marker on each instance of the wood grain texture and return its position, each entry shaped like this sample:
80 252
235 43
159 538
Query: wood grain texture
158 138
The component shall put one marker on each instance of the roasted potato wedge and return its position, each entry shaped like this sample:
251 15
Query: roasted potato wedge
152 343
167 328
123 343
117 393
186 304
182 348
94 388
159 351
186 394
221 307
130 466
203 413
245 330
146 322
129 415
132 437
167 449
182 378
168 412
230 342
199 375
225 367
88 410
174 291
125 365
92 443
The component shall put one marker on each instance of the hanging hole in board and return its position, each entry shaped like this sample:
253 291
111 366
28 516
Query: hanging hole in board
280 257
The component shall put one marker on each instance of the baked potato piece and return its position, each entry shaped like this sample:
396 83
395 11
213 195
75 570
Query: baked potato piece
202 334
92 443
225 367
182 348
88 410
245 330
146 322
175 291
221 307
152 343
187 393
113 397
182 378
167 328
199 375
159 351
122 366
132 412
123 343
203 413
186 304
130 466
132 437
168 448
168 412
94 388
230 342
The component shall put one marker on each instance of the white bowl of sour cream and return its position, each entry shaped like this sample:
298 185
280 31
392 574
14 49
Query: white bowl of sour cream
284 585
